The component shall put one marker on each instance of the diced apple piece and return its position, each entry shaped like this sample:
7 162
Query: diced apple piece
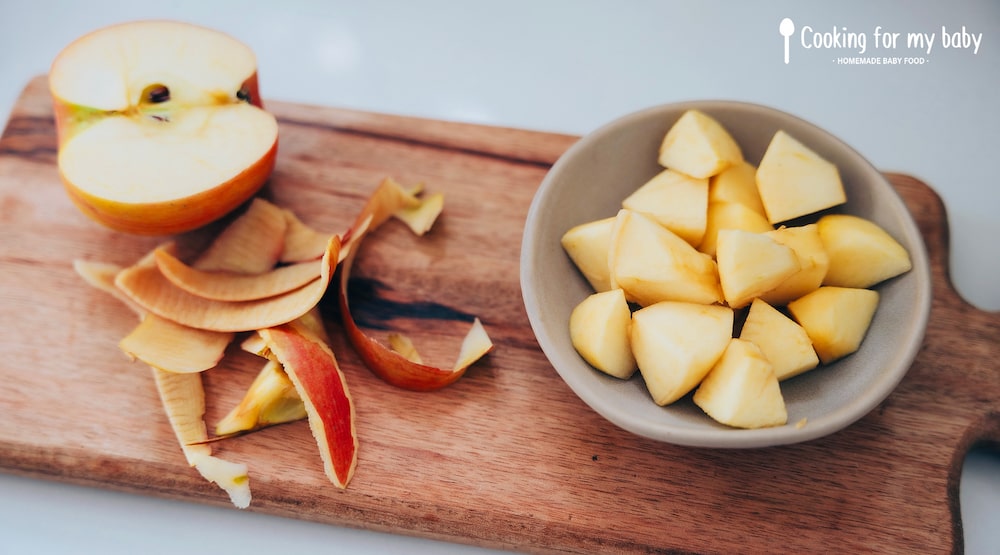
675 344
387 364
742 390
794 181
676 201
730 215
587 246
599 329
861 253
737 183
651 264
813 260
836 319
785 344
699 146
751 264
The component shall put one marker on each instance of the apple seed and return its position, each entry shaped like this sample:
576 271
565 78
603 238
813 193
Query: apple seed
155 94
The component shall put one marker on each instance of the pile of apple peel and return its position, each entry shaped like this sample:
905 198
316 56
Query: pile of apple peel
724 279
260 281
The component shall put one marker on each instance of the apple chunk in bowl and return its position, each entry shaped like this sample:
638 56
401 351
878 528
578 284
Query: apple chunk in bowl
590 182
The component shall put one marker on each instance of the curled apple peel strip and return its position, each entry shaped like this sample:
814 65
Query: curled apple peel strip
402 370
170 346
151 290
230 286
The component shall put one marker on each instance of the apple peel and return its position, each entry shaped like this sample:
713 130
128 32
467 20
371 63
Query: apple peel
475 346
302 242
183 399
387 199
271 399
151 290
230 476
101 276
393 367
404 346
229 286
421 218
310 323
251 244
312 368
173 347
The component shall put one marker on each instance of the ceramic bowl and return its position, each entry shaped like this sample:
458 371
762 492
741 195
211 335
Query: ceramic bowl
589 182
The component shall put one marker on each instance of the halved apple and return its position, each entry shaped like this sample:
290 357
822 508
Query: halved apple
160 125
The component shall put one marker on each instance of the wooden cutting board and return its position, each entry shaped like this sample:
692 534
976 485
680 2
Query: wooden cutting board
507 457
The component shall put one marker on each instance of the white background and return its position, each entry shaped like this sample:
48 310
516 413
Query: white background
568 67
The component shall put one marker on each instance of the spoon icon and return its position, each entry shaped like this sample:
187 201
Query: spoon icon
786 28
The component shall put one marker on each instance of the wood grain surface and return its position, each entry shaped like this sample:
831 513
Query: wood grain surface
507 457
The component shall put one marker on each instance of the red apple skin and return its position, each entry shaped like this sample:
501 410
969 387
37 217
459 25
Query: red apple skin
390 366
313 369
394 368
180 215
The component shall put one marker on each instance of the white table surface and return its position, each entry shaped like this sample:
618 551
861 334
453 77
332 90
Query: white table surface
569 67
